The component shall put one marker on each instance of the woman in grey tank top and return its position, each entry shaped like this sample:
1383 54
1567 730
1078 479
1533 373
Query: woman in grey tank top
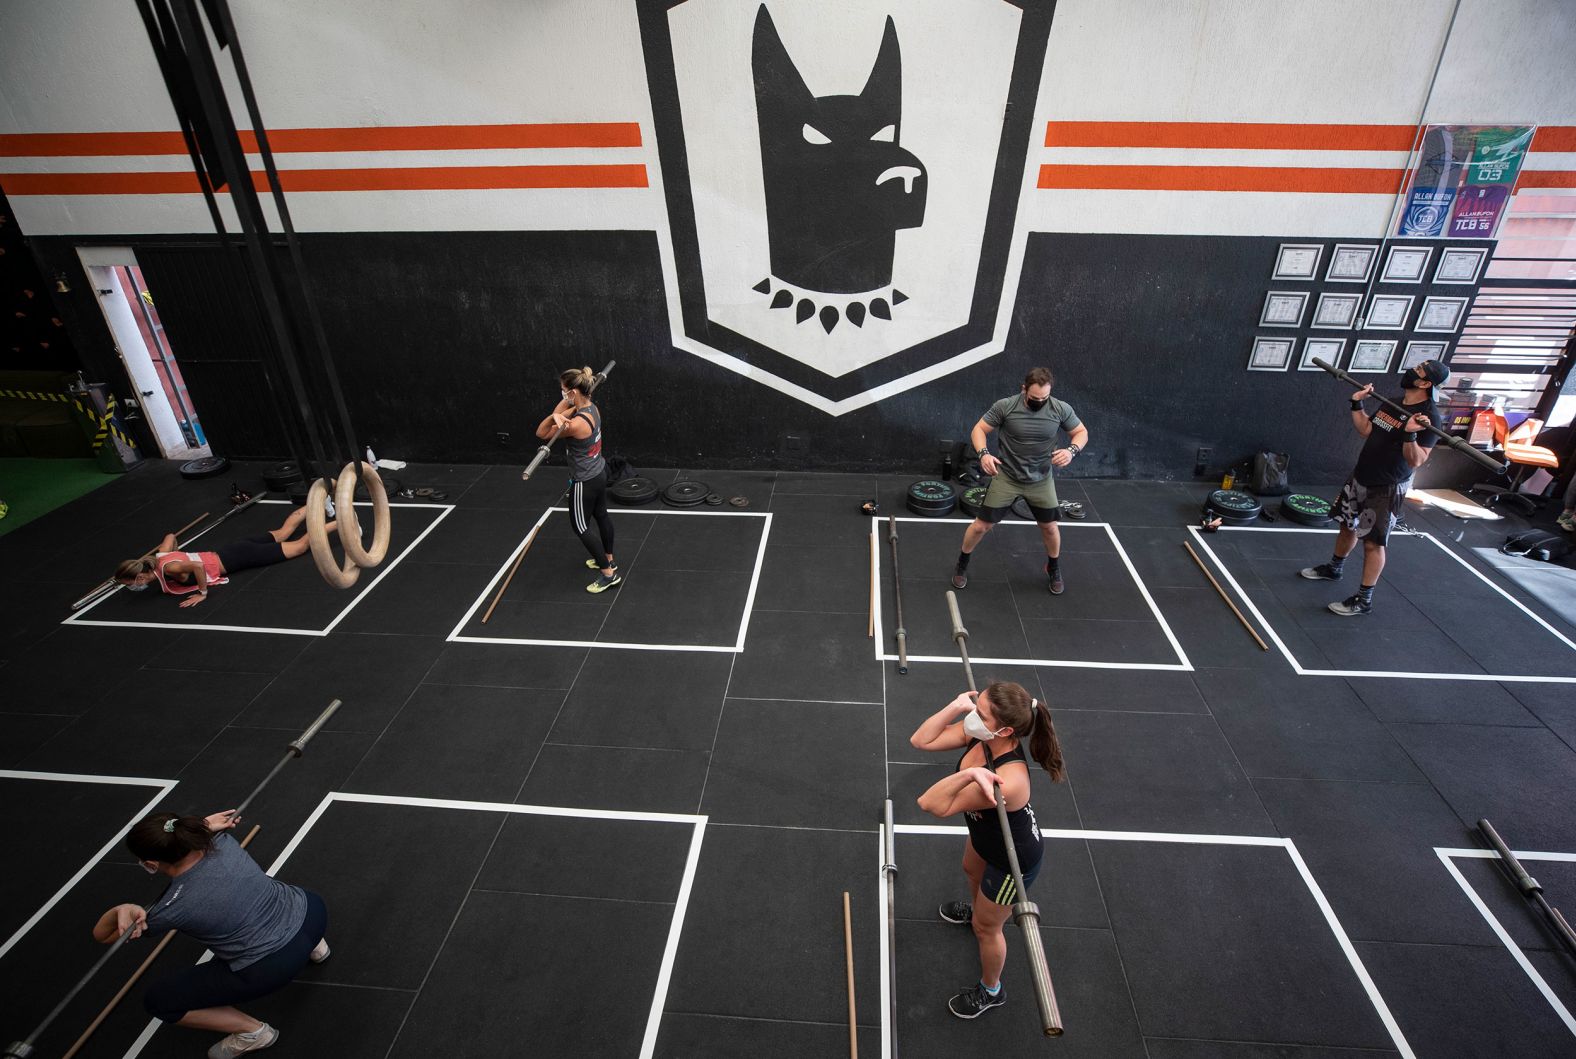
581 423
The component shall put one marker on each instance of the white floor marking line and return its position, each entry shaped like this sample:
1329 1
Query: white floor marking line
681 902
1339 932
882 655
164 786
1502 678
744 622
1143 589
1498 928
1475 572
443 510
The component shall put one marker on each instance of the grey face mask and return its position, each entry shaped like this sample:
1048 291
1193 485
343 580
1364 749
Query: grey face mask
134 588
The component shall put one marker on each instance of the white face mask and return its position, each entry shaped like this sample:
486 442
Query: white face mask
135 588
151 869
975 728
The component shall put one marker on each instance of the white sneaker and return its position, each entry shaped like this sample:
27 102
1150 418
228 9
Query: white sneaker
319 951
241 1043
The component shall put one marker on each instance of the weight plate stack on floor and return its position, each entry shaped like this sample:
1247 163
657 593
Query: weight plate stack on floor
1233 506
713 499
932 498
206 467
633 492
685 494
1020 507
972 500
297 493
282 476
1305 509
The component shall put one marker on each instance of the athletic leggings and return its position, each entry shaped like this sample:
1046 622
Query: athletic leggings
213 984
248 553
587 501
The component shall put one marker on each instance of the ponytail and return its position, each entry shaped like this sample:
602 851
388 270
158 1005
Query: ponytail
167 838
1043 744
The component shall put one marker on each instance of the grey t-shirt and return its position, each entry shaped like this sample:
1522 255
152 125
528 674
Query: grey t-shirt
226 902
1027 438
585 454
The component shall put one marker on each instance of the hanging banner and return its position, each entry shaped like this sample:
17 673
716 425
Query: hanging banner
1461 184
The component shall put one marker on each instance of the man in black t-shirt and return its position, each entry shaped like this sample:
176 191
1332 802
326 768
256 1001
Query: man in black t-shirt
1367 506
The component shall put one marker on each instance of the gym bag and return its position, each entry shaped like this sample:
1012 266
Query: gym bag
1270 474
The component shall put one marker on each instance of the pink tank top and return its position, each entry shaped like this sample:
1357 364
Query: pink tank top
210 567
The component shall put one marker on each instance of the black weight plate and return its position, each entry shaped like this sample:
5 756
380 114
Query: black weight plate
931 491
283 476
972 500
297 492
713 499
685 494
206 467
632 492
1306 509
1020 507
739 501
1234 505
423 493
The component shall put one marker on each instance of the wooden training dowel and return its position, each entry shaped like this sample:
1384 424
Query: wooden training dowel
870 631
1251 630
517 560
183 529
848 951
138 973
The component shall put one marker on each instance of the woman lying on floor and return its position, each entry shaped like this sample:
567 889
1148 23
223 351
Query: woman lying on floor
262 931
185 573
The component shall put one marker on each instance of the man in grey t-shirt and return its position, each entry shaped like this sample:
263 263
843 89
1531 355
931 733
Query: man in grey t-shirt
1026 424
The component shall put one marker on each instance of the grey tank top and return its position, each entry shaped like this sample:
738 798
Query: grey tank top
585 454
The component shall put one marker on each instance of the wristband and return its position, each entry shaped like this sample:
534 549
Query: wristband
1074 449
1357 406
980 454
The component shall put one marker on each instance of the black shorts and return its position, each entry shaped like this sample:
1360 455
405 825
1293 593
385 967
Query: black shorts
997 885
250 553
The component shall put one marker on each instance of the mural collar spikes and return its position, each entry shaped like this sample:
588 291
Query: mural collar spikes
820 146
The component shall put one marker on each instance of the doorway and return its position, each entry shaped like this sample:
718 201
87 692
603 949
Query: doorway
133 318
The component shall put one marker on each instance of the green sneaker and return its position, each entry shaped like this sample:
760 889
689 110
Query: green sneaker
603 582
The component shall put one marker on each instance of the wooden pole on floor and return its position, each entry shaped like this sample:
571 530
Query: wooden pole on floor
137 974
1251 630
517 560
848 952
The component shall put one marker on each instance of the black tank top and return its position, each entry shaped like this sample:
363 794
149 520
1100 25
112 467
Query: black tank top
985 829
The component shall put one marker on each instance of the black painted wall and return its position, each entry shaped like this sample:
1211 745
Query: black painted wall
445 339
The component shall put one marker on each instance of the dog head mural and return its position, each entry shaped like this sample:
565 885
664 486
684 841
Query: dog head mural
839 185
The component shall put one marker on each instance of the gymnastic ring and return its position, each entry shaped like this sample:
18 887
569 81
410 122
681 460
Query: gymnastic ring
322 547
350 525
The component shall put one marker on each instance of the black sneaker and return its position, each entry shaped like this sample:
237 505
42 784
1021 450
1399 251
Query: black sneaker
957 912
1347 608
975 1001
1056 585
604 582
1322 572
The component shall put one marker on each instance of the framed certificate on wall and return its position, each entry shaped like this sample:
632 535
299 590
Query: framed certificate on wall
1406 264
1372 355
1441 314
1417 352
1460 264
1336 310
1298 261
1388 312
1283 308
1351 263
1328 350
1271 354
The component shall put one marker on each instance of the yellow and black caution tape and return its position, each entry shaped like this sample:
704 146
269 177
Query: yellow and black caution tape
105 425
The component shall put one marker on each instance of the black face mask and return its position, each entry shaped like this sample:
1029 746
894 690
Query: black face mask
1034 406
1409 380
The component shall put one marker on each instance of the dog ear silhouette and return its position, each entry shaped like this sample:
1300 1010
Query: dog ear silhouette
838 185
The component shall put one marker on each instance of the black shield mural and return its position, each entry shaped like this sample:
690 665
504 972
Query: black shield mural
842 183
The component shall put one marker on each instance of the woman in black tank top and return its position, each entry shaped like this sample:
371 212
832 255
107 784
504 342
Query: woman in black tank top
990 729
581 423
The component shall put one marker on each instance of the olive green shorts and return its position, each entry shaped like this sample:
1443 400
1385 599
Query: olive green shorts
1041 497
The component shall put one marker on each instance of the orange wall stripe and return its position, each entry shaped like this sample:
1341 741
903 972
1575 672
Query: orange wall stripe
381 138
1220 178
436 178
1242 135
1220 135
1546 178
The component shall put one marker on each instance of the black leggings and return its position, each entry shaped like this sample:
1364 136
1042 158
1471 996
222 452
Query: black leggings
213 984
250 553
587 501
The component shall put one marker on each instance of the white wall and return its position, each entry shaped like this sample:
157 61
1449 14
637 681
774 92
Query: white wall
85 66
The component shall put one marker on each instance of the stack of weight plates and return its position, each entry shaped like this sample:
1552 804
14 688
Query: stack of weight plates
686 494
1305 509
972 500
633 492
1233 506
932 498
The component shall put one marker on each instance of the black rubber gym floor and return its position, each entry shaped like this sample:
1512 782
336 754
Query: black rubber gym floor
622 825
